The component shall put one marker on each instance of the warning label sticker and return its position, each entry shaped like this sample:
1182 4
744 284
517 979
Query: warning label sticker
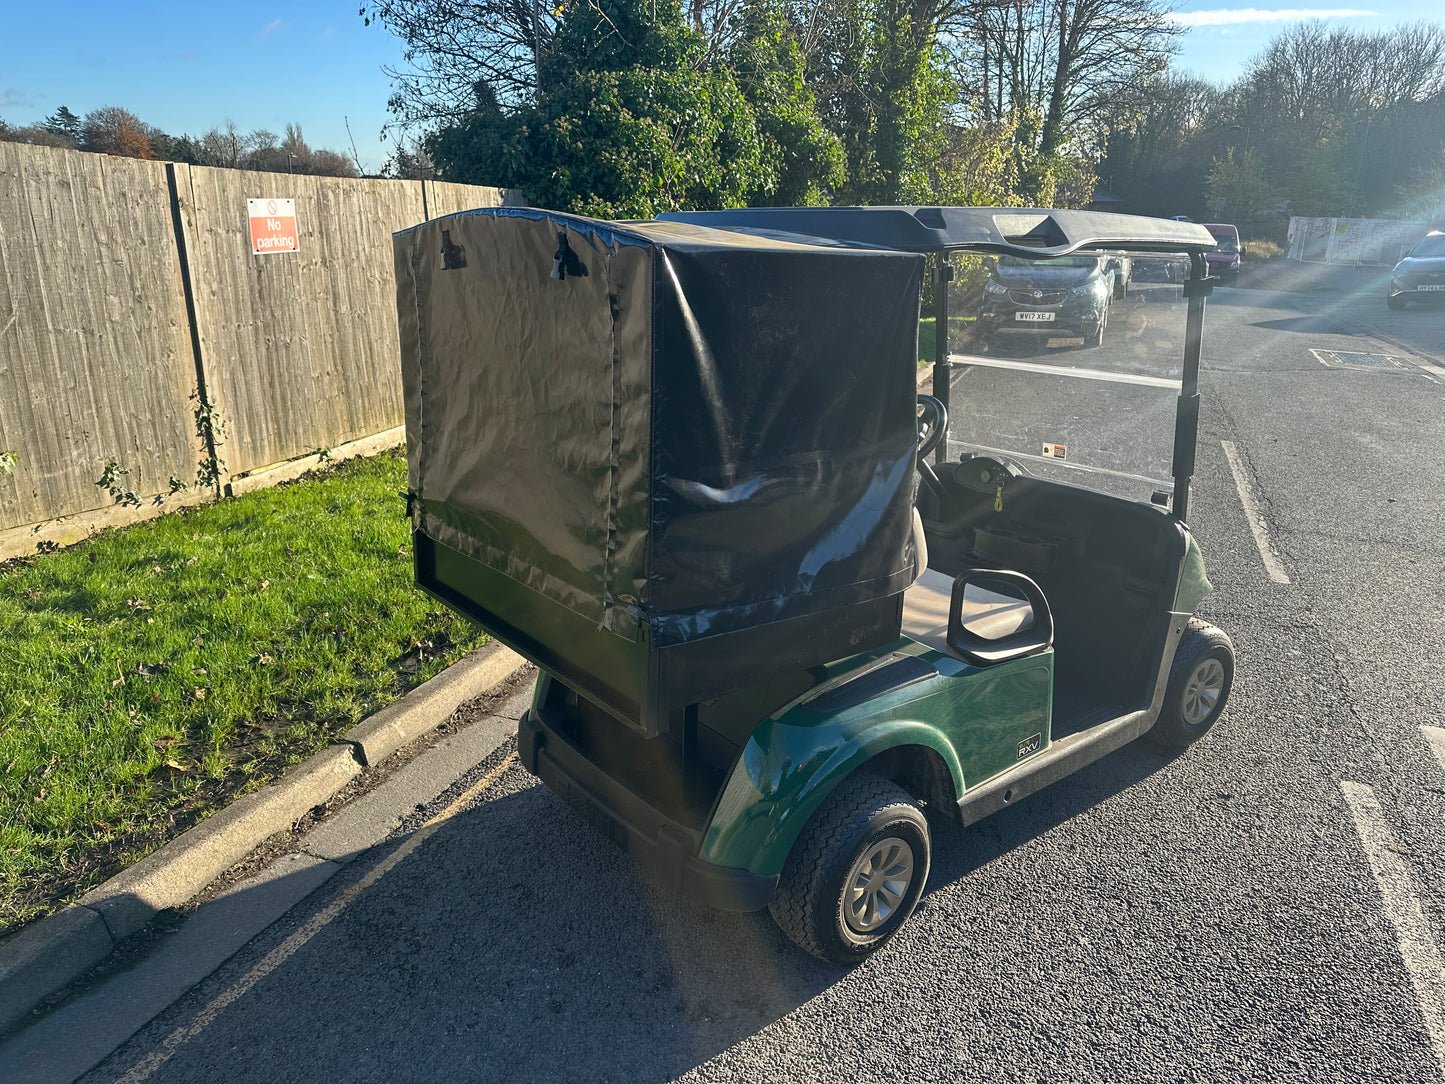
1055 451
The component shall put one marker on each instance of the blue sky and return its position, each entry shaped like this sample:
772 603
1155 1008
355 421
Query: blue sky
184 67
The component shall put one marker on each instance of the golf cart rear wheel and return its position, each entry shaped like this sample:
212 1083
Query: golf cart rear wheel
1199 684
856 872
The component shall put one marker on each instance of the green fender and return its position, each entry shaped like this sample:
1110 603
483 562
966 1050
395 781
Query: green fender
1193 583
791 763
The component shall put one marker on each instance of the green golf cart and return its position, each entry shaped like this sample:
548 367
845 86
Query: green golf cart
781 602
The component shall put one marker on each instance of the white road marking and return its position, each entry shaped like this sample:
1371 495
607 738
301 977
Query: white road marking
1412 934
314 925
1252 513
1435 739
1432 371
1066 370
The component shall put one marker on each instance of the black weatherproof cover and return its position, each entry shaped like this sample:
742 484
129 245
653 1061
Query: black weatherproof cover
660 460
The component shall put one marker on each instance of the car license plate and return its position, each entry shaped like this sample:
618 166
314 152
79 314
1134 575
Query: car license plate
1035 317
1423 289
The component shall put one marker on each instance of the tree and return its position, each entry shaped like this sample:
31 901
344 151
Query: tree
1064 72
35 135
460 54
324 163
802 161
63 123
223 146
112 130
883 88
627 123
1237 187
169 148
409 162
970 164
1158 159
1343 117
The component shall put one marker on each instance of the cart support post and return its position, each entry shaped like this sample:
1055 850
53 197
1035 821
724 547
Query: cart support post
942 375
1186 418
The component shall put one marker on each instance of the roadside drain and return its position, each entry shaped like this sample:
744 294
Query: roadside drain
1349 359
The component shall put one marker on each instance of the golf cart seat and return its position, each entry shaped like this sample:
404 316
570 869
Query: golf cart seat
988 614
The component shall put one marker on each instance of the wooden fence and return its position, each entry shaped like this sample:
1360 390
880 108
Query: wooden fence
101 359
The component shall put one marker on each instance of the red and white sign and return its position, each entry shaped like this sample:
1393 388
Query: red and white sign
273 226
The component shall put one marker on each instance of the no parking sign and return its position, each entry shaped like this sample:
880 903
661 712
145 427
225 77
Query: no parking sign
273 226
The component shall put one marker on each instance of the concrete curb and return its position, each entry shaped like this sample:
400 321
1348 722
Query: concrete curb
49 954
380 735
173 874
46 956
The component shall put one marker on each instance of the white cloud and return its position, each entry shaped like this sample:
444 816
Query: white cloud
271 28
1233 16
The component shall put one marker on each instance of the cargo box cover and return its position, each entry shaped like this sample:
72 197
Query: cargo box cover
628 438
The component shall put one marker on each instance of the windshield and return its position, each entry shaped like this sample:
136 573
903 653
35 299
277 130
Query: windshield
1077 384
1434 245
1228 242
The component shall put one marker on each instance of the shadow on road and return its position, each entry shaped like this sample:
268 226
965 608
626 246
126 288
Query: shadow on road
517 944
1312 325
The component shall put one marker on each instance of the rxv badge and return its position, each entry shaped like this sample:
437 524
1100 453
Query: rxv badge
1030 745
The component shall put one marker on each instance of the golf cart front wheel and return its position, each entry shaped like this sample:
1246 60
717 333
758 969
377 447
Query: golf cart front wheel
856 872
1199 684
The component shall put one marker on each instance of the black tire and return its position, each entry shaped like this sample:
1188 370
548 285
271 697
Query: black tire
862 813
1395 303
1180 724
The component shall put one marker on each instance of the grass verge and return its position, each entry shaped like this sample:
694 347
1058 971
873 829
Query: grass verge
928 334
156 671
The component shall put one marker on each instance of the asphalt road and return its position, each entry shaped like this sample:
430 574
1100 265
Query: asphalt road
1216 916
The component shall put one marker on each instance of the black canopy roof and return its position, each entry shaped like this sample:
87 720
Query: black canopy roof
1019 231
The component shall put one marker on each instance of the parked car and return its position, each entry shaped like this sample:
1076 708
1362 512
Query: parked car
1122 268
1420 275
1063 297
1159 268
1224 261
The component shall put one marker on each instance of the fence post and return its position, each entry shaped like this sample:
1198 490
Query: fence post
209 472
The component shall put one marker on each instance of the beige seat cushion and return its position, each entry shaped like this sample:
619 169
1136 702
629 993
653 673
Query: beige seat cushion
991 615
920 546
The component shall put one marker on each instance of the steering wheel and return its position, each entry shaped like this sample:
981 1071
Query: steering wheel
932 424
932 429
